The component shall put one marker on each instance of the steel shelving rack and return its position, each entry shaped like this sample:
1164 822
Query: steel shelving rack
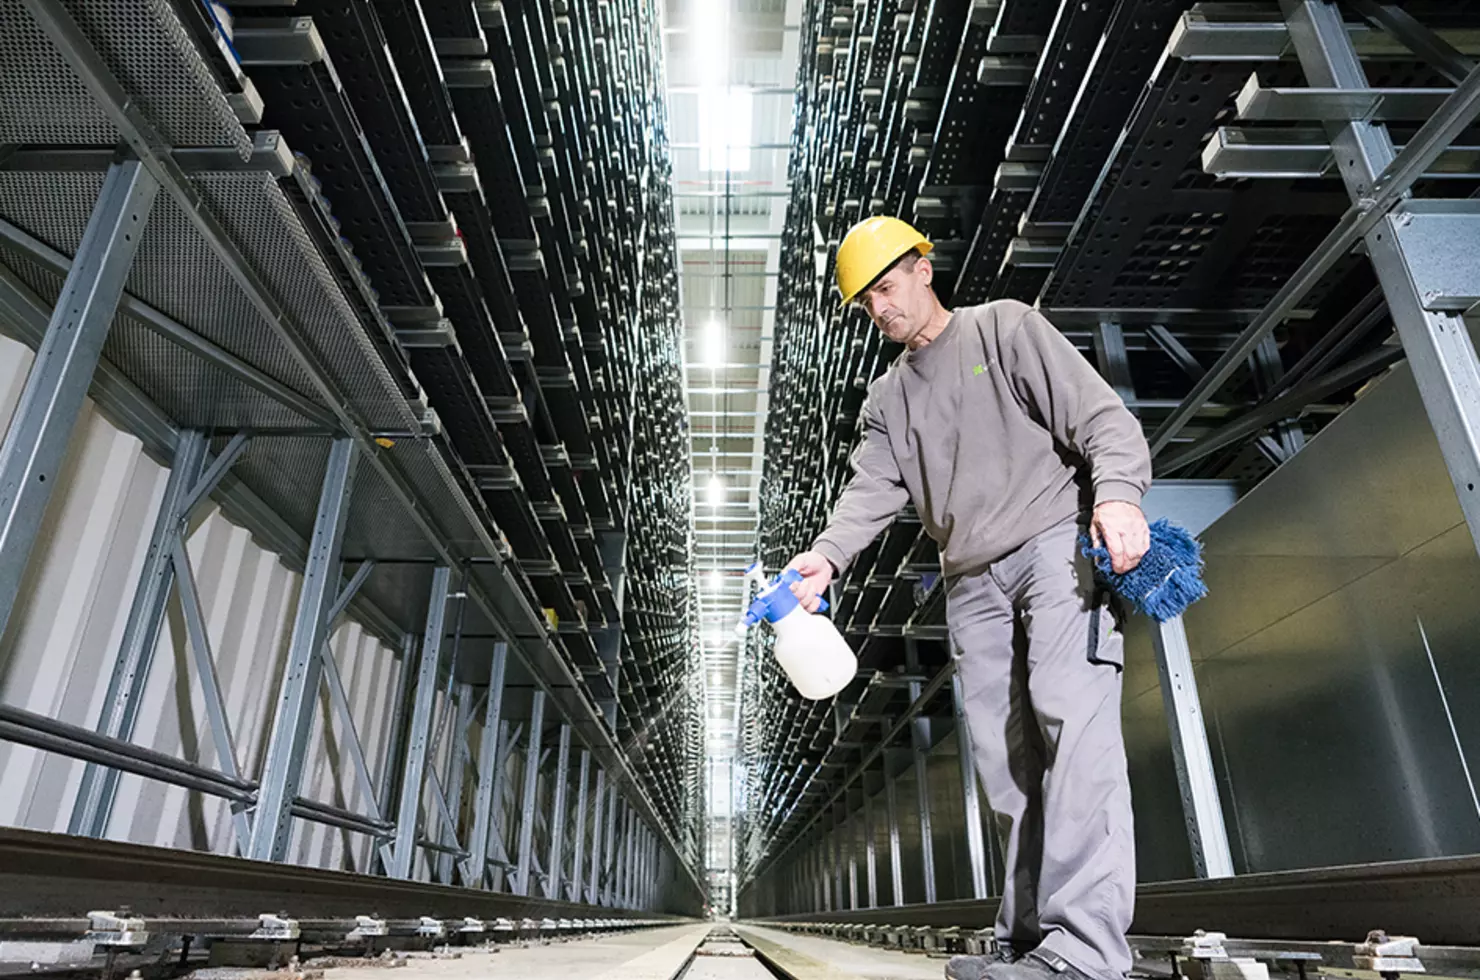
430 255
1149 173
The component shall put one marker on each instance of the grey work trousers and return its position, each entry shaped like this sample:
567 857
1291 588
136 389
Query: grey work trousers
1040 655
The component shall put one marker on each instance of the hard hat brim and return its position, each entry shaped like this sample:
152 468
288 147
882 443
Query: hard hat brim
922 247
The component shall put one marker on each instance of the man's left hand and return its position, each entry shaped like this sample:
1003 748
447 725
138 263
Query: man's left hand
1121 529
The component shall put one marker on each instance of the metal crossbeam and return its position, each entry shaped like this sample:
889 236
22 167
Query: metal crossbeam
1381 194
558 816
120 712
283 770
414 763
1434 334
475 867
41 427
527 798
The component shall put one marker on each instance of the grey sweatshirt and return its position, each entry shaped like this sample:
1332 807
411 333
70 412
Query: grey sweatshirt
997 430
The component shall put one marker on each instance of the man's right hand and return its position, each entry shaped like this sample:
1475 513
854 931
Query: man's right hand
817 575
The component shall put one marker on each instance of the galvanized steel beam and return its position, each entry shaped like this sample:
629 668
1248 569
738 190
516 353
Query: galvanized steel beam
527 799
475 868
41 427
414 763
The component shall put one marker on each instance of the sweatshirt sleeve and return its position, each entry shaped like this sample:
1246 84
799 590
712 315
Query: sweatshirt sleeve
874 494
1076 405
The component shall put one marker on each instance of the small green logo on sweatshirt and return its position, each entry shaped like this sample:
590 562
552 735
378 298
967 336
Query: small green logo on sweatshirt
979 369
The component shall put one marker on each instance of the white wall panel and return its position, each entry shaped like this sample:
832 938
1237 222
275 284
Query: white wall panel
57 655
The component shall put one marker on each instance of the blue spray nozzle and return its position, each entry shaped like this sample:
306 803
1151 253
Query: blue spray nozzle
776 599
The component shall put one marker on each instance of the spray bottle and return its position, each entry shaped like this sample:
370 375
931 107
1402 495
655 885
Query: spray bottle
813 654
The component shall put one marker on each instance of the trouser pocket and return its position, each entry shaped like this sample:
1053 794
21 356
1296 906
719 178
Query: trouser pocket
1105 643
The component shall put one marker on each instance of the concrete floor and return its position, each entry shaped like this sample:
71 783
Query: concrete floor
811 958
654 954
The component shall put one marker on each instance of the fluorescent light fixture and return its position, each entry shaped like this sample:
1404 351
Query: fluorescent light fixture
717 639
716 491
716 580
714 342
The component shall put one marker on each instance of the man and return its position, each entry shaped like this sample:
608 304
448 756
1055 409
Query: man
1008 443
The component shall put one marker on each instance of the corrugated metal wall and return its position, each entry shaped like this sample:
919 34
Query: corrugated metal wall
58 653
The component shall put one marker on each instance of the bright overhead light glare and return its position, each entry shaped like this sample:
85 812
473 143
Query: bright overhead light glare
711 41
714 342
725 124
716 491
716 639
716 580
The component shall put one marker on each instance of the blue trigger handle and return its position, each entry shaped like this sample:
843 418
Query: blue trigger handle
791 576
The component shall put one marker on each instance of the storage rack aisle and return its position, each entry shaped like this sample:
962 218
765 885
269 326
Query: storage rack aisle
413 263
1158 178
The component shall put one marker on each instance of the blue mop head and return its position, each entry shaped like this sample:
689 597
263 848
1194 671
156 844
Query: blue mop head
1169 578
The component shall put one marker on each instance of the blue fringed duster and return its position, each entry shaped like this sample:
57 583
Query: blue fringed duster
1169 578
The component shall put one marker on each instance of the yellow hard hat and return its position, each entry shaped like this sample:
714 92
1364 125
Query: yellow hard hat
871 247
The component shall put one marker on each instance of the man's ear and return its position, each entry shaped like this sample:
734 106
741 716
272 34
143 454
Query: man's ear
926 269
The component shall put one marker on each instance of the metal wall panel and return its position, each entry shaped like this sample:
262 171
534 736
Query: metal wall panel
56 657
1338 640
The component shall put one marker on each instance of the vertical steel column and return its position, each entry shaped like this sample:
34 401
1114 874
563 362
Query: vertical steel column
417 744
457 766
395 739
475 869
554 881
531 788
607 883
851 845
920 744
835 858
506 741
871 860
1114 363
629 858
976 845
614 884
578 857
1435 337
896 863
283 770
824 887
94 807
1201 807
36 443
640 874
593 882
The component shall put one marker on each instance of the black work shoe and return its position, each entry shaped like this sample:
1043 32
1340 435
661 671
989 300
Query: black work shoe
976 967
1037 965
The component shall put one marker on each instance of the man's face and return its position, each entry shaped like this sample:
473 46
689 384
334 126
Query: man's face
900 302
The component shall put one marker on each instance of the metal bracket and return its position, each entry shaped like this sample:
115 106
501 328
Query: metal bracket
368 927
1388 955
1438 239
270 41
116 929
275 927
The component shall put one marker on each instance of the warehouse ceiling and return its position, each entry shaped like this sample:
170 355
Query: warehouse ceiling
730 70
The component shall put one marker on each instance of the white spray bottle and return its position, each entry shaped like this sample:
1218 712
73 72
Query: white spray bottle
813 654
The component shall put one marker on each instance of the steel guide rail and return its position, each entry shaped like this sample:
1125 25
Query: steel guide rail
1318 916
